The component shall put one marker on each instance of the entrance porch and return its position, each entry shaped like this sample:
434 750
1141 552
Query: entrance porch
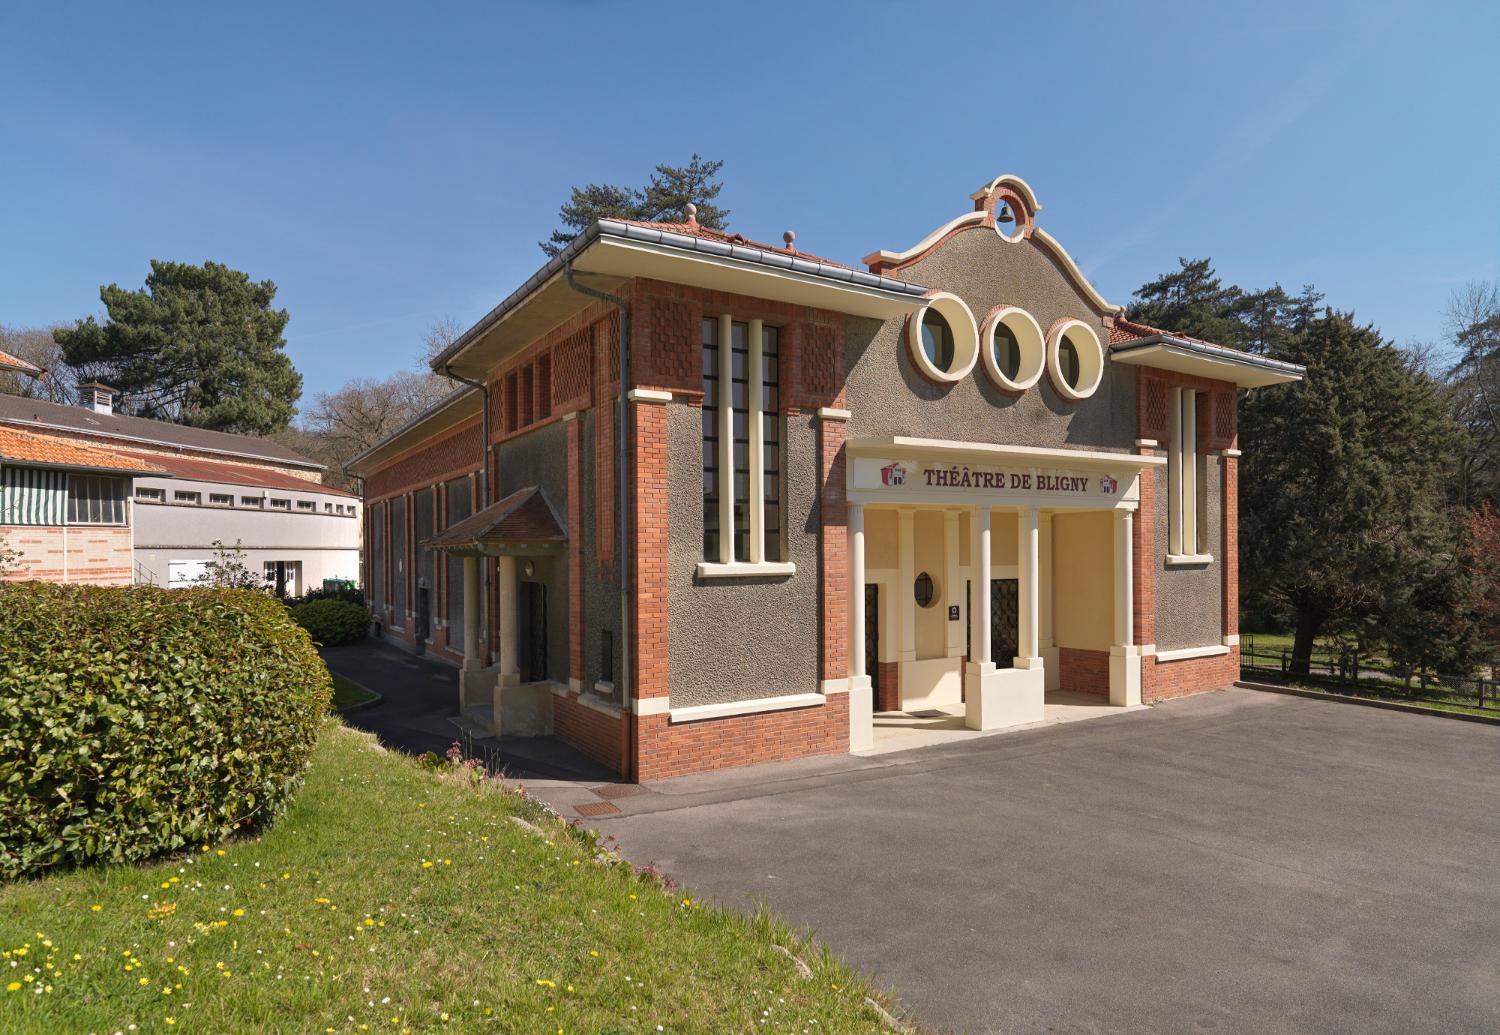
984 579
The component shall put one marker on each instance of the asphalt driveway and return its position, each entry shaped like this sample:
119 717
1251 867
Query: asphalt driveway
1237 861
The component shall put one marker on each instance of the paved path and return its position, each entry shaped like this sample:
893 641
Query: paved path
420 701
1236 861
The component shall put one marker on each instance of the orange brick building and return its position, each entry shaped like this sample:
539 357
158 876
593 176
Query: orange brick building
704 502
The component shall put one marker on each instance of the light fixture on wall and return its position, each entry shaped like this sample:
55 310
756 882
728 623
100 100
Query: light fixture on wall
529 568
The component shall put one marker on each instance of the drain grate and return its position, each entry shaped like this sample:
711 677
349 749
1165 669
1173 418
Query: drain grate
596 808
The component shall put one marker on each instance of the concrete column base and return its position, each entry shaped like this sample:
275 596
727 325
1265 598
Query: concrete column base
861 714
1125 675
523 710
1001 697
1052 665
474 687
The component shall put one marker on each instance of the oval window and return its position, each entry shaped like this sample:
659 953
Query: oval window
923 590
1007 351
937 339
1016 351
1075 359
943 338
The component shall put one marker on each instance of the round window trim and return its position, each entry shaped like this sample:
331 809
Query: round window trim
1090 358
1029 339
924 592
960 319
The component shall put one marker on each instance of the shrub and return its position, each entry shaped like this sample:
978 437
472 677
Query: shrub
330 590
136 721
332 622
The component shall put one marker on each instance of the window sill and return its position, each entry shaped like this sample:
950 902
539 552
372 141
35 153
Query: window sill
1184 653
1189 560
699 712
744 569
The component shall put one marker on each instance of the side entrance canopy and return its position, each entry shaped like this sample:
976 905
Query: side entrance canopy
524 524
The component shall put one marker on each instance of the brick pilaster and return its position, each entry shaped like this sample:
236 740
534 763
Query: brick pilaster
648 562
1229 547
1143 558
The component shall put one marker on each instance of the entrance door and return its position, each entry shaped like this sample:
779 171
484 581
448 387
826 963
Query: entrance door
872 639
1005 621
534 647
424 612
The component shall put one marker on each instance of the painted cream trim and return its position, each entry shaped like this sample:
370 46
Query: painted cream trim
834 686
744 569
651 705
570 415
1147 443
601 687
965 330
1184 653
1245 373
905 445
1090 365
699 712
648 395
1029 339
1009 180
1188 560
1232 640
833 413
901 258
604 707
1148 649
1230 453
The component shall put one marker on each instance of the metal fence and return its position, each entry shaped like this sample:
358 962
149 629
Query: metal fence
1368 676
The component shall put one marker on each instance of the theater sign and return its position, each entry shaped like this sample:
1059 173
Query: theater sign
970 479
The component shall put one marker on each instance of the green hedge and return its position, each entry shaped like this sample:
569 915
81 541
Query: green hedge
136 721
332 622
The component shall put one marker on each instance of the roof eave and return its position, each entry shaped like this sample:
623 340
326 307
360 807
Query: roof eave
131 472
358 465
1181 355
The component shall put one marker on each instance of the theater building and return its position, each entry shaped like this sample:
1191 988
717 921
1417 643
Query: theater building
705 502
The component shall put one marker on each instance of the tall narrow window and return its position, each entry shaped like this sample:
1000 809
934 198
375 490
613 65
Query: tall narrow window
1183 477
711 440
742 463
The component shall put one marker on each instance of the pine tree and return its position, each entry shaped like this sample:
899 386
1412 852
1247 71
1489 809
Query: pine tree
670 189
197 345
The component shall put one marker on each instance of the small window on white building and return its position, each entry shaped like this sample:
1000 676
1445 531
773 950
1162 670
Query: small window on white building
1185 479
277 504
252 501
220 499
150 495
328 508
306 505
181 496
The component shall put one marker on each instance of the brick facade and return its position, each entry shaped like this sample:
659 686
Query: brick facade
91 555
678 749
1162 680
1083 671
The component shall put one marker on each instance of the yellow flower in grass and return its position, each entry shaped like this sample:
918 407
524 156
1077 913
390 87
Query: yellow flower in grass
238 912
96 907
14 986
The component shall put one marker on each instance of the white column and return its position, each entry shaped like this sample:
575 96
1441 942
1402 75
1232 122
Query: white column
1124 576
510 671
472 662
905 605
756 450
979 610
1028 554
857 662
1050 654
953 580
726 439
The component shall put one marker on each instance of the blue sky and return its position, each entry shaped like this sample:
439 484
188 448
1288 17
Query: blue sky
386 165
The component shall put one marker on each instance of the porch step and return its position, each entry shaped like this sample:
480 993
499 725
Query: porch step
477 722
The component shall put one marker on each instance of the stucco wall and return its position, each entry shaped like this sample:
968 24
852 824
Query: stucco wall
601 584
1083 580
733 639
888 396
1189 602
541 458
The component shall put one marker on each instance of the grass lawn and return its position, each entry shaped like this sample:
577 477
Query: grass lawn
391 898
347 693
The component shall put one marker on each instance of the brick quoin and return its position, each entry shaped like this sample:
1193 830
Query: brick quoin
649 556
1229 546
833 525
576 629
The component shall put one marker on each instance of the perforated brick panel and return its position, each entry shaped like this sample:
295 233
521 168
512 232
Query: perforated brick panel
819 376
675 350
1153 417
572 366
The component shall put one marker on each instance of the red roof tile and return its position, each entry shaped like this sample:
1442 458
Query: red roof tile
694 230
198 469
1128 330
21 447
9 362
525 515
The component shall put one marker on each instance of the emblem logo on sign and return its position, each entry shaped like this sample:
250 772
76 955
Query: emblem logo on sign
1108 485
893 474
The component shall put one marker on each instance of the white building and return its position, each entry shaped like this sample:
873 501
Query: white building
214 486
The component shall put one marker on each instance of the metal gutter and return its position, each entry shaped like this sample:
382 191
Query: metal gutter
835 275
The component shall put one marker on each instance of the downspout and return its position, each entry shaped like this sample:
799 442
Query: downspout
484 449
621 443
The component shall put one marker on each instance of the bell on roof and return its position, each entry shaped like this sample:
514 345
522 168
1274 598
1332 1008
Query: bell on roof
1004 216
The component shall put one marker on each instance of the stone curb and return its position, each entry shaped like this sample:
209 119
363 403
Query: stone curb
1393 706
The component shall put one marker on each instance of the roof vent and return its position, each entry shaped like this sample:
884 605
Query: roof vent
97 396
